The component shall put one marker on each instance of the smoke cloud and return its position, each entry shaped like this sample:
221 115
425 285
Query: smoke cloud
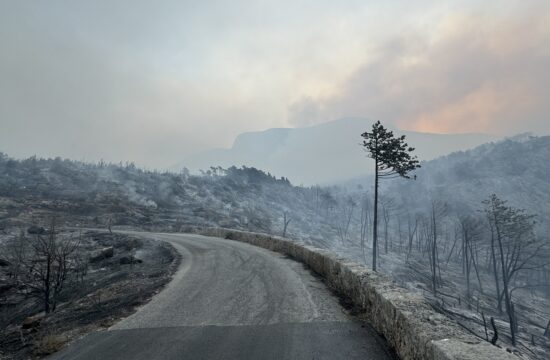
475 73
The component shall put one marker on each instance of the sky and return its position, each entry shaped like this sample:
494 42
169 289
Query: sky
156 81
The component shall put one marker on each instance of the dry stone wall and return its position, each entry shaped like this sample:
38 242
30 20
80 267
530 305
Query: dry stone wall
406 320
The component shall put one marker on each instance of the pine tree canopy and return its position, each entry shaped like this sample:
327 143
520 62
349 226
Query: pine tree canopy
392 154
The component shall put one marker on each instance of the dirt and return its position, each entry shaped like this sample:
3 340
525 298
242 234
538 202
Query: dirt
111 289
533 306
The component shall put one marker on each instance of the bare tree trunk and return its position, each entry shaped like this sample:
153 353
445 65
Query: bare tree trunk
508 301
495 332
412 234
485 326
386 217
46 282
350 215
453 247
466 264
495 271
375 221
434 250
365 221
474 262
285 222
43 267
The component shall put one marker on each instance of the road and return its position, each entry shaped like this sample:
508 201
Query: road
231 300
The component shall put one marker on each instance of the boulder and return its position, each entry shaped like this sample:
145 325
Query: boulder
4 263
102 254
131 244
6 287
126 260
36 230
32 322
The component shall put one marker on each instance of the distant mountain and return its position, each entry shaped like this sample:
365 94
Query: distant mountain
321 154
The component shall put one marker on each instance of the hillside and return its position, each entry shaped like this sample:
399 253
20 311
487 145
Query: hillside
313 155
337 218
33 189
436 238
516 169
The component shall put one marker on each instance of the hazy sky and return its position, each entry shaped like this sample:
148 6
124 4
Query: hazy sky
153 81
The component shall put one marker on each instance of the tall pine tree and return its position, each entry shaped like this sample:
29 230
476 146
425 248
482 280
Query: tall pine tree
393 158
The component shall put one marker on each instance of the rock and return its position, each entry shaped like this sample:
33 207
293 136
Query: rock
36 230
5 287
48 345
131 244
102 254
4 263
125 260
32 322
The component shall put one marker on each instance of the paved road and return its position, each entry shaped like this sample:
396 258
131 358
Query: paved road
231 300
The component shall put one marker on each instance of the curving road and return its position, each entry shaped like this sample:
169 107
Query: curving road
231 300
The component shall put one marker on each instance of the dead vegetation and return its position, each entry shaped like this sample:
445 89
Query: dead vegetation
106 277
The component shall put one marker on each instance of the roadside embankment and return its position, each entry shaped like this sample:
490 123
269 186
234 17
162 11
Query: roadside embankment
410 325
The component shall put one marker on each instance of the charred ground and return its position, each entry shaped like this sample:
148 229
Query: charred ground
336 217
117 274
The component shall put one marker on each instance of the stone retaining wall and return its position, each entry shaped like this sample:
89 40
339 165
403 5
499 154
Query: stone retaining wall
407 321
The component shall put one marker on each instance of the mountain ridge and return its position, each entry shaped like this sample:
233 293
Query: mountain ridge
321 154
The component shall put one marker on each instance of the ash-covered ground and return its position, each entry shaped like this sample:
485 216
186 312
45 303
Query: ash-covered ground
444 202
109 277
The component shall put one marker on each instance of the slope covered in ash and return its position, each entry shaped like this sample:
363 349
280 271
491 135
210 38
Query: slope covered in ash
516 169
340 219
438 237
99 194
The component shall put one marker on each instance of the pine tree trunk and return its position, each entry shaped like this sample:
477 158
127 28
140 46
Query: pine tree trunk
495 271
505 280
375 221
434 249
47 283
468 267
